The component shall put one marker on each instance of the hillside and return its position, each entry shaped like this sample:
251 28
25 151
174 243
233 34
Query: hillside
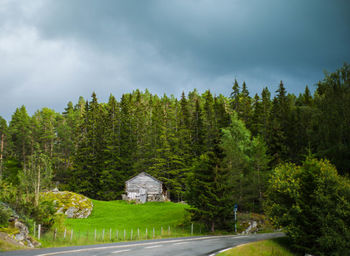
121 215
111 219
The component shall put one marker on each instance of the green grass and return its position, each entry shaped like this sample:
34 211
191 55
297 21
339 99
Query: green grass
120 214
113 217
6 246
272 247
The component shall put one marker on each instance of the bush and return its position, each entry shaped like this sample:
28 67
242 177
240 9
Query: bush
22 204
5 214
312 203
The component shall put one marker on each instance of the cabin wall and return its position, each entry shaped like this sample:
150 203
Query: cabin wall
143 181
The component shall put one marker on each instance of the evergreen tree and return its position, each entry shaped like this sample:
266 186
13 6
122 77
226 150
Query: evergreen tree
197 129
3 137
279 126
112 176
210 132
21 134
89 159
209 193
332 100
266 112
234 96
245 106
235 143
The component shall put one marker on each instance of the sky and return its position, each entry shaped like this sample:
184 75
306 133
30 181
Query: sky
53 51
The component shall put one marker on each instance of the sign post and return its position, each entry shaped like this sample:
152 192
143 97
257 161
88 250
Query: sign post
235 211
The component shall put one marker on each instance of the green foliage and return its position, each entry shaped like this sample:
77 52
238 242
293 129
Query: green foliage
332 100
209 193
246 162
5 214
312 203
22 206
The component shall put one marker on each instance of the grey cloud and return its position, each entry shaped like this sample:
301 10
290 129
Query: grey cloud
166 46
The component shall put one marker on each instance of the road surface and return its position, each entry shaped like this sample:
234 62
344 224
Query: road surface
188 246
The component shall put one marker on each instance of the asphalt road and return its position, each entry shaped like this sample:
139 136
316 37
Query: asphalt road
191 246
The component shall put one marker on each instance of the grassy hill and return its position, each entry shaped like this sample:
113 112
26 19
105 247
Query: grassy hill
111 219
122 215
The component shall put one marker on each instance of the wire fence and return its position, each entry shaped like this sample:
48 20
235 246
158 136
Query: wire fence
72 236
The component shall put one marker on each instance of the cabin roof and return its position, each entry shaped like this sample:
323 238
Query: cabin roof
146 174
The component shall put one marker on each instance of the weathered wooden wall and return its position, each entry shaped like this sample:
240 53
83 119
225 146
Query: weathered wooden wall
152 186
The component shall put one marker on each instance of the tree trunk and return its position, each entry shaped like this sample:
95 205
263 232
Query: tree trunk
212 229
1 153
259 186
24 155
37 189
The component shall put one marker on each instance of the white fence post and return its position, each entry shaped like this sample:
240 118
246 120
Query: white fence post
39 231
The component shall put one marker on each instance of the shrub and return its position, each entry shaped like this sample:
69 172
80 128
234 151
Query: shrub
5 214
312 203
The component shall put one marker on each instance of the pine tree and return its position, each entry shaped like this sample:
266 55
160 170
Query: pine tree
245 106
266 111
197 129
210 133
3 138
209 193
112 176
89 159
332 130
279 126
21 134
235 143
234 96
257 118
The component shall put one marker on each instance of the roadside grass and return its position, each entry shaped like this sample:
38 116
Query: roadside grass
6 246
272 247
113 221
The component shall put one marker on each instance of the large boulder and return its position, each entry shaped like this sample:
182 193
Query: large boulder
18 234
73 205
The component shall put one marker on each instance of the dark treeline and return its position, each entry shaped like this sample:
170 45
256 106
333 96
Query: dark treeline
94 147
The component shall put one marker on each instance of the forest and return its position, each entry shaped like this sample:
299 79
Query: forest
93 147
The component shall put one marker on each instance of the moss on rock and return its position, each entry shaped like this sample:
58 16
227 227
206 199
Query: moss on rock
71 204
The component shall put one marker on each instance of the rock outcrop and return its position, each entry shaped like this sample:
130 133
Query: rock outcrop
18 233
73 205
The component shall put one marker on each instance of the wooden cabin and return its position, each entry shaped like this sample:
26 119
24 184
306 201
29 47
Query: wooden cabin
145 188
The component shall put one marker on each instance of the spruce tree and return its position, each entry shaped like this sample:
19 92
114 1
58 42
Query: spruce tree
209 193
20 134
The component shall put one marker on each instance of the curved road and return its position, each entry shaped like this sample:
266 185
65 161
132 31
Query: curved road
191 246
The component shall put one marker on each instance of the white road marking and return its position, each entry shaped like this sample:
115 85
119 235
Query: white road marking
121 251
132 245
181 243
154 246
224 250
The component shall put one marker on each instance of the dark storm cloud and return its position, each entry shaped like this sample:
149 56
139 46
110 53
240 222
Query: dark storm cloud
216 35
169 46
